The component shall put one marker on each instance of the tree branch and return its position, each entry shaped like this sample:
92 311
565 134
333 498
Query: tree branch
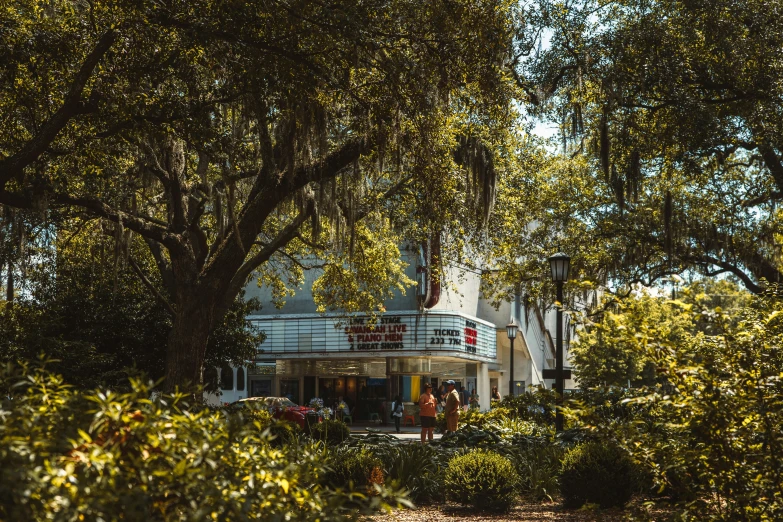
773 196
773 163
745 278
151 287
393 191
142 225
166 273
282 239
269 191
138 224
72 106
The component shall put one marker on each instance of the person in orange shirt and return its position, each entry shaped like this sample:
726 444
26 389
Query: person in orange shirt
427 405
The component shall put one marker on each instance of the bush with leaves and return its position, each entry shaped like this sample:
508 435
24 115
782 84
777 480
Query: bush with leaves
538 466
250 413
482 479
607 359
597 473
71 455
354 468
537 406
709 429
283 432
332 432
500 417
416 468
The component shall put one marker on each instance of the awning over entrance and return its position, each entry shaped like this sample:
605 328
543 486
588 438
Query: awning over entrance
398 334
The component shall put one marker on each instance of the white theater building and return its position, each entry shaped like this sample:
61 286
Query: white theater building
432 333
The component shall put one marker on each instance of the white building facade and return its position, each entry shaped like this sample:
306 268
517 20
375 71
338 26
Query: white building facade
446 332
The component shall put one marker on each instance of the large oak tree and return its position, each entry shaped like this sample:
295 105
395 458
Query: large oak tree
670 143
240 138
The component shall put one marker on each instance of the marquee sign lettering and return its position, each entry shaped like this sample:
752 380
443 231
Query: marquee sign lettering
403 333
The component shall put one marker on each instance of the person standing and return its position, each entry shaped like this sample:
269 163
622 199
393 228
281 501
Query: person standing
441 397
452 407
465 396
397 409
495 394
427 403
474 400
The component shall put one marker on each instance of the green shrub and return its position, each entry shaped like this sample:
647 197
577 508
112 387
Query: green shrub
476 418
332 432
70 455
482 479
513 430
597 473
354 467
284 432
472 417
416 468
538 466
538 406
250 413
707 430
440 422
498 414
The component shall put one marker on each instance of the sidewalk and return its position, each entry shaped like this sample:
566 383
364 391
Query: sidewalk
406 432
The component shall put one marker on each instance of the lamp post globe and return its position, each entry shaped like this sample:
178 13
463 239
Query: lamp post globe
559 265
511 331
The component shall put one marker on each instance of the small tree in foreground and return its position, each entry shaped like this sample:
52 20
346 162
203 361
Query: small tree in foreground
72 455
709 432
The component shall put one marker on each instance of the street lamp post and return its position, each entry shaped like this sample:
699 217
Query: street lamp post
511 330
559 265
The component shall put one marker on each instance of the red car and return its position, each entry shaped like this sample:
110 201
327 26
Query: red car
281 408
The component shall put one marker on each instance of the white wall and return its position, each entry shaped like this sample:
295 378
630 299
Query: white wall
229 396
460 291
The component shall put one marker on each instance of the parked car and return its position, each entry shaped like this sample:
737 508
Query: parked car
282 408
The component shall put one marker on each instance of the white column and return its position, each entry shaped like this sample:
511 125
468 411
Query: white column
482 386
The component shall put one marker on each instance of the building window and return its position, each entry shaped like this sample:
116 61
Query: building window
290 388
226 378
240 379
210 377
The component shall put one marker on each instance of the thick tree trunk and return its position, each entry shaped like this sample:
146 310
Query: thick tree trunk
187 343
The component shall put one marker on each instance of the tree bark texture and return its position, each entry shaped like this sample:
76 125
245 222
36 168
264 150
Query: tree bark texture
188 338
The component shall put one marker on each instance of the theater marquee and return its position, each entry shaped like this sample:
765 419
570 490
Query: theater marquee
400 333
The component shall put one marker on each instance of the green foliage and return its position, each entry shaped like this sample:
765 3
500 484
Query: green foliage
482 479
97 320
610 351
478 419
252 412
67 454
509 428
668 153
418 469
353 284
284 432
597 473
440 422
538 466
354 468
330 431
421 469
518 414
709 428
138 118
538 406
